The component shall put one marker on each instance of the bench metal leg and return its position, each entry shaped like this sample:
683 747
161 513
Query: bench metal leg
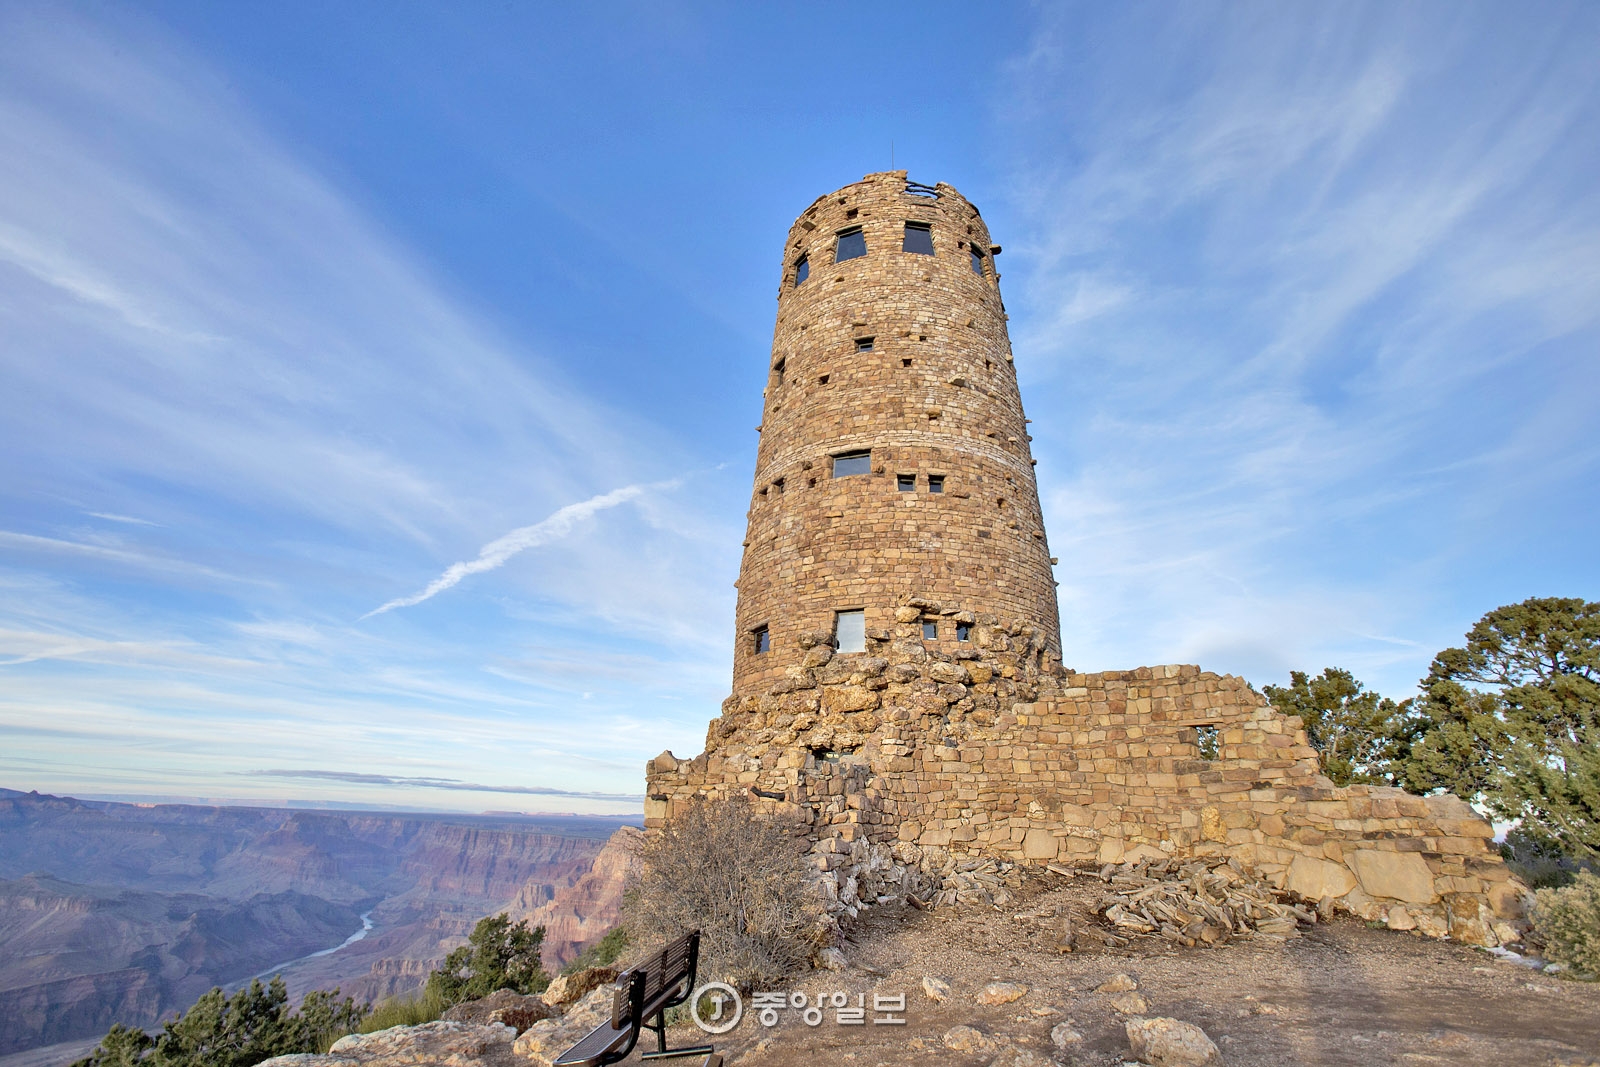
664 1053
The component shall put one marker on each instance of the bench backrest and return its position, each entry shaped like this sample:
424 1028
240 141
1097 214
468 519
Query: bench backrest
660 982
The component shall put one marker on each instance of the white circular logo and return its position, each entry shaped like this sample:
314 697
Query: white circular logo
716 1007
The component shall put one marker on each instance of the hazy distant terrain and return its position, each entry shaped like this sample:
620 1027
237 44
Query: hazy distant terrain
122 912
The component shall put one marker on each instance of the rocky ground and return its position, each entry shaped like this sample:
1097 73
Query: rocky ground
985 987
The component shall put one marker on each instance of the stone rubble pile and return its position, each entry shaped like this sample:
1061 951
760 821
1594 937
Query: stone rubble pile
1205 901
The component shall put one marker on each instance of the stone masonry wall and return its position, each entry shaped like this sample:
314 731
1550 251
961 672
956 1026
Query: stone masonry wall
900 757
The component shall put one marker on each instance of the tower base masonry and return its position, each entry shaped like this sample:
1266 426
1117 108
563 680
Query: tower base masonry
896 760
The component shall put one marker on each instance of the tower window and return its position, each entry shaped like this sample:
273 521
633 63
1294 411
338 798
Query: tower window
850 631
760 640
919 239
802 269
864 344
1206 739
905 363
963 631
848 463
906 483
935 483
930 630
777 370
977 261
852 245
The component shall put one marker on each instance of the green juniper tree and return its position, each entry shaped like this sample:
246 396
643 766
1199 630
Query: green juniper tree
498 954
255 1024
1358 734
1513 719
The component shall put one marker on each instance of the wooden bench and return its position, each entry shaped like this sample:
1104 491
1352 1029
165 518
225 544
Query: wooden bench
639 995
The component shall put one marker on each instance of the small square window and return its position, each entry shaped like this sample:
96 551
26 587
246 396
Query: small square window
852 245
963 631
919 239
761 640
802 269
905 363
864 344
977 260
1206 739
848 463
935 483
906 483
850 631
930 630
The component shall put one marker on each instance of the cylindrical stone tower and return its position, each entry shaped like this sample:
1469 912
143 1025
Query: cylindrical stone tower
893 471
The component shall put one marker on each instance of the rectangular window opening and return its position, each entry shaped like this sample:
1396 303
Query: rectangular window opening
906 483
930 630
977 261
847 463
1206 738
852 244
918 239
761 640
777 370
864 344
802 269
963 631
905 363
850 631
935 483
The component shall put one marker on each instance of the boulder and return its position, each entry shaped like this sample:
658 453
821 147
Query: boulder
1399 918
447 1044
1013 1056
1001 993
936 989
514 1009
1117 983
571 987
1395 875
1130 1003
965 1039
1315 880
542 1042
1064 1037
1170 1043
832 959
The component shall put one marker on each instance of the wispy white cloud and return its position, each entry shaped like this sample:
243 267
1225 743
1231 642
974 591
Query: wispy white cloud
496 552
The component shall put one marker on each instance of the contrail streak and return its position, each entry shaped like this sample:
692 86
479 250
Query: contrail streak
496 552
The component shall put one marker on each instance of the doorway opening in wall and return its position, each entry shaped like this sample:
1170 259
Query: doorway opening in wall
850 631
1206 740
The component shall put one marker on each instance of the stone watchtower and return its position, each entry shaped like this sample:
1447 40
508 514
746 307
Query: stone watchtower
893 470
897 683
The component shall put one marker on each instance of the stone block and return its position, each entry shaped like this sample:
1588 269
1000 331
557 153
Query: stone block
1393 875
1315 879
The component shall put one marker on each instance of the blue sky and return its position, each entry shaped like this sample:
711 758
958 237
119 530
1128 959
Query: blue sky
309 310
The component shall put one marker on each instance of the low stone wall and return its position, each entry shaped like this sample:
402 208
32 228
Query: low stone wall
900 758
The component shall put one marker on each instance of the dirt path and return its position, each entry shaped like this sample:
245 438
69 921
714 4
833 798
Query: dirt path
1341 995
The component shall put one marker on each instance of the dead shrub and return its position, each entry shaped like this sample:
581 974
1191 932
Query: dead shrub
739 878
1568 919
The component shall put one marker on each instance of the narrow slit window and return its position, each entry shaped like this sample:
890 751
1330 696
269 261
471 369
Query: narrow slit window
906 483
864 344
848 463
918 239
777 370
852 245
963 631
935 483
977 260
1206 738
850 631
930 630
760 640
802 269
